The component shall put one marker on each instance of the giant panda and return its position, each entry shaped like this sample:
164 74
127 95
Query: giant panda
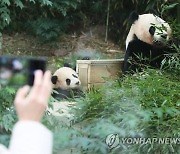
146 42
66 82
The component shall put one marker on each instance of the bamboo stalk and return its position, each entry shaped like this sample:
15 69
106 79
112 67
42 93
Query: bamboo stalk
107 21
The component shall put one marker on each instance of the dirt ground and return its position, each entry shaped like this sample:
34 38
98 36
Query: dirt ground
26 45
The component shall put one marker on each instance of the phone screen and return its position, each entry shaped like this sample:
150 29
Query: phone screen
19 71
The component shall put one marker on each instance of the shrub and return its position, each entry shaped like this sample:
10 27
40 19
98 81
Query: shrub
7 114
143 105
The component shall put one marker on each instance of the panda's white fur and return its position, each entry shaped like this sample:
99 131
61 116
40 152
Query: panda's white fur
66 83
147 42
63 74
64 92
141 26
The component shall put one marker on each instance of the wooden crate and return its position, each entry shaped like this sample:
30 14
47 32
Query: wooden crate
93 72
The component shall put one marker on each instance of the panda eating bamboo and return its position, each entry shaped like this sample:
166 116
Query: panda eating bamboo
147 43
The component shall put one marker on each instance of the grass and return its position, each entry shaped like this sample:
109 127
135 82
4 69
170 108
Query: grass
143 105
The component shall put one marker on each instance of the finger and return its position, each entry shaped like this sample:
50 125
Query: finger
21 94
38 77
46 86
37 83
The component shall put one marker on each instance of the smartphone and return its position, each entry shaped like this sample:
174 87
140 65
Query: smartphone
19 71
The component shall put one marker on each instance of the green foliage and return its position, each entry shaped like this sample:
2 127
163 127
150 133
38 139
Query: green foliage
4 139
7 113
50 18
172 60
143 105
46 18
167 7
47 29
4 16
54 20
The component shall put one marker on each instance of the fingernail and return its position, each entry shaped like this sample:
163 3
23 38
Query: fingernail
48 72
37 71
26 87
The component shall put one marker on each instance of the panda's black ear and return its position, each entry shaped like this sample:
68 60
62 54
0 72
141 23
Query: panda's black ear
67 65
133 17
86 58
54 79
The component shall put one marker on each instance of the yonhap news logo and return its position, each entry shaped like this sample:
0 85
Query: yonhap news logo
113 140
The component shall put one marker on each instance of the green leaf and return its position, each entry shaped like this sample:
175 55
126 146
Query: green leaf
8 121
159 112
6 18
32 1
18 3
7 2
168 7
63 11
47 2
178 103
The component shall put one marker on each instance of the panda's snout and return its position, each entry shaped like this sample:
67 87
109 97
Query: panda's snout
77 83
164 36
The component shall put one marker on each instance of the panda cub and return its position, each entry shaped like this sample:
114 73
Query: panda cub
147 42
66 82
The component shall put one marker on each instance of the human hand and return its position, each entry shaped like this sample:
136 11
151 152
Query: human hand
32 106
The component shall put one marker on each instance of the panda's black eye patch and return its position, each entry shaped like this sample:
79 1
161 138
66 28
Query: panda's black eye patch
152 30
68 81
54 79
74 76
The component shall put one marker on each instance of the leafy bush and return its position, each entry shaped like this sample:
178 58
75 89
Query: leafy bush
7 117
172 60
47 29
143 105
47 17
7 114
